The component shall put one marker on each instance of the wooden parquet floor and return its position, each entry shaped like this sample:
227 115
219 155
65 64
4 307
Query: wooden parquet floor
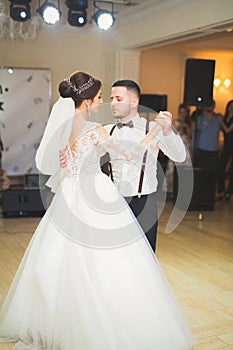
197 259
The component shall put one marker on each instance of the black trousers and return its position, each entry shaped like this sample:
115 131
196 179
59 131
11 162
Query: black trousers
208 160
145 210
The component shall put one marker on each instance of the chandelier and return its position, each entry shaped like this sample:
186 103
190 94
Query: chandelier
13 30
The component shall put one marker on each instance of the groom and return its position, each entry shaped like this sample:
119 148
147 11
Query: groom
138 184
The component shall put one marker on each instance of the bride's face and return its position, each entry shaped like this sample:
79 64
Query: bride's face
97 100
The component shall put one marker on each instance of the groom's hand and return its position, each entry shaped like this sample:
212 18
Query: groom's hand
63 158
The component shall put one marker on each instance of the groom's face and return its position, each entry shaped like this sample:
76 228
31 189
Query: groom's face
121 102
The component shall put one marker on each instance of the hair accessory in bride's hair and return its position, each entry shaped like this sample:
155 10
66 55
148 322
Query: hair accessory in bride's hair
78 90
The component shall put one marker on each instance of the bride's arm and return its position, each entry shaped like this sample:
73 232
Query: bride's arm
104 135
114 147
163 123
151 135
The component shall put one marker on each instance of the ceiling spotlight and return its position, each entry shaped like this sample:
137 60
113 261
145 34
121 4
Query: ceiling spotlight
104 18
77 14
77 18
77 4
20 10
49 12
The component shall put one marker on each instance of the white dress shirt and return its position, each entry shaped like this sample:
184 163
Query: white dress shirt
126 174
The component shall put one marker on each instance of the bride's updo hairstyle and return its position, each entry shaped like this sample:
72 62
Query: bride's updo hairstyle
80 86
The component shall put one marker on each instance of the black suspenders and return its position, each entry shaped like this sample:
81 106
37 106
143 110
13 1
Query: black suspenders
143 161
110 164
143 164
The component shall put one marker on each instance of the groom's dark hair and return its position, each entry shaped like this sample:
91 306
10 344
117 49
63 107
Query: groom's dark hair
129 84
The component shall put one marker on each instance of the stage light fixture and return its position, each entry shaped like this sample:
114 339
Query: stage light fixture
77 14
20 10
104 18
49 12
77 18
77 4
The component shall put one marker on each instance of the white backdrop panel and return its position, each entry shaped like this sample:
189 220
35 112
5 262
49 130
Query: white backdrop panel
24 110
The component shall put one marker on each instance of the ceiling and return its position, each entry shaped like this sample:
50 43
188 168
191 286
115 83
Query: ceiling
210 39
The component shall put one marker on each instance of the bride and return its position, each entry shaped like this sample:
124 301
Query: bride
89 279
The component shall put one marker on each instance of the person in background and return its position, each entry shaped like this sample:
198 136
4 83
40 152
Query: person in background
206 141
227 154
183 126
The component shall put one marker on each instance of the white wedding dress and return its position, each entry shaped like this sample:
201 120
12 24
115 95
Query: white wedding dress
89 279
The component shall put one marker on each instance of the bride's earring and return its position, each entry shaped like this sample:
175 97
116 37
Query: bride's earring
88 109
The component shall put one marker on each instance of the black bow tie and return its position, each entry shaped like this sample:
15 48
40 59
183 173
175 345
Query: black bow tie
120 124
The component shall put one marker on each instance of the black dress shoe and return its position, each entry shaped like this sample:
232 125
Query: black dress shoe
221 197
224 197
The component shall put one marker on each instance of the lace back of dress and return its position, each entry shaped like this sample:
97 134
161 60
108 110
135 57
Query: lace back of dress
84 153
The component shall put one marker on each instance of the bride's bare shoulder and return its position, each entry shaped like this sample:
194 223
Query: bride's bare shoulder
102 132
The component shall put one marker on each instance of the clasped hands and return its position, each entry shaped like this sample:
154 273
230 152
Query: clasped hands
164 120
